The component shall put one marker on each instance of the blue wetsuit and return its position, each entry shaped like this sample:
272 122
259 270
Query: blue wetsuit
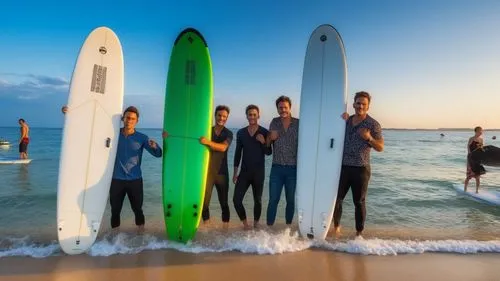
127 175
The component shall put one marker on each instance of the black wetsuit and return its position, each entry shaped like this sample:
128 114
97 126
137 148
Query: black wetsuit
356 172
218 175
252 169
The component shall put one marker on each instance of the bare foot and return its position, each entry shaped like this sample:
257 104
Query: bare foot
256 224
225 226
359 233
115 230
331 231
140 229
336 231
245 225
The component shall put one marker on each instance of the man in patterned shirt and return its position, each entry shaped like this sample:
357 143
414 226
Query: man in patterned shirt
362 133
283 135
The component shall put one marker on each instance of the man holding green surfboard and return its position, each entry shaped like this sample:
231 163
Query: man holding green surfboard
218 172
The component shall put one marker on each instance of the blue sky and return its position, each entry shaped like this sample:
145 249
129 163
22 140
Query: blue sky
428 64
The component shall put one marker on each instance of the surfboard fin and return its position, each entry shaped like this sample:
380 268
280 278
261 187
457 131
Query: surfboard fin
323 221
301 215
60 225
94 226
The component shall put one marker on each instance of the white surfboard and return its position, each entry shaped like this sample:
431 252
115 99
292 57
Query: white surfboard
490 197
90 140
321 131
12 160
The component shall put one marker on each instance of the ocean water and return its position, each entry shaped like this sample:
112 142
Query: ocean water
411 205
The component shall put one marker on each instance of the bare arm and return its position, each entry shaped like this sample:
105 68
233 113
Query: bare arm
222 147
468 144
377 144
375 138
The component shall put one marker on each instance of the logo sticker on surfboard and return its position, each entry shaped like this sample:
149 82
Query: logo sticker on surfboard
190 72
98 84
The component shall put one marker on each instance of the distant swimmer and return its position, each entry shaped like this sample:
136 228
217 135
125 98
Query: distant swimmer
442 135
494 138
24 140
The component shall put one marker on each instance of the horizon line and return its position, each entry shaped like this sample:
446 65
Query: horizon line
389 128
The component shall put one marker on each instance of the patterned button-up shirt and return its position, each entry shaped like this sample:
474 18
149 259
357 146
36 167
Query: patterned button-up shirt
285 147
356 149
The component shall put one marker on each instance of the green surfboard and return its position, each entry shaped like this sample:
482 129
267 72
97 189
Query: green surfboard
187 117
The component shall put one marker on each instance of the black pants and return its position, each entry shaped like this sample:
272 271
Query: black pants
221 183
134 190
245 179
356 178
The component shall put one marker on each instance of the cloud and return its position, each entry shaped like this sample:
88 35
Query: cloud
50 81
30 86
37 98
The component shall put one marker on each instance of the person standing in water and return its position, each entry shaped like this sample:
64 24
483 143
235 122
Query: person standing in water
251 142
474 170
362 133
24 140
218 171
284 137
127 173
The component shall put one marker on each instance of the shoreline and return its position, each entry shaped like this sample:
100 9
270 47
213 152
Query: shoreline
384 232
261 243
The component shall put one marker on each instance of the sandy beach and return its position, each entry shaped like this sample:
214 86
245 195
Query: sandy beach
306 265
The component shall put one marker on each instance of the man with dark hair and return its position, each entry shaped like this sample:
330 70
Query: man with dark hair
283 135
127 174
218 171
361 134
24 140
251 142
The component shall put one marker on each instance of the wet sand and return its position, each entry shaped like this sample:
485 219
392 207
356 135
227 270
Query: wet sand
306 265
